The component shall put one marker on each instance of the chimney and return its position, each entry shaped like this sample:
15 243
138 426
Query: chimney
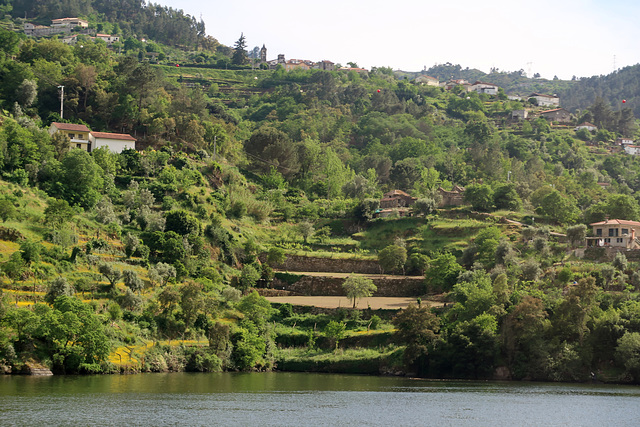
606 219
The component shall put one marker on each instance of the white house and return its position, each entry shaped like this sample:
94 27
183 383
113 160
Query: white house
488 88
69 22
108 38
545 100
427 80
115 141
588 126
634 150
519 114
624 141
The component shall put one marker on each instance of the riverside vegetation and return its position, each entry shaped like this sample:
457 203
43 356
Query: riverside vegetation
158 259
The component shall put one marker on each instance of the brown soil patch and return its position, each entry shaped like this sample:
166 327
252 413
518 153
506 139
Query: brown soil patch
386 303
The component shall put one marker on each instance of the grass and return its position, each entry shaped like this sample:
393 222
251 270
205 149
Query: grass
353 360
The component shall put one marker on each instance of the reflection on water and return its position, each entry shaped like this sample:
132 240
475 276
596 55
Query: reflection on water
294 399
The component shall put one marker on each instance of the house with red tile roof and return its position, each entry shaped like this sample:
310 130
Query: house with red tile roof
615 233
78 134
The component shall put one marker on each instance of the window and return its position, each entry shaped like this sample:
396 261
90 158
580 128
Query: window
625 231
619 240
78 145
598 231
607 240
72 135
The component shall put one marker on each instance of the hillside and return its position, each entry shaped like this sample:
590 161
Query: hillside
249 184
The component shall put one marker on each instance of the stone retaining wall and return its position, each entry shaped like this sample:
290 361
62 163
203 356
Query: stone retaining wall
332 286
330 265
607 254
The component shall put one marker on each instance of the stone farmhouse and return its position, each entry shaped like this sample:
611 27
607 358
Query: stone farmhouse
615 233
396 199
455 197
83 138
556 115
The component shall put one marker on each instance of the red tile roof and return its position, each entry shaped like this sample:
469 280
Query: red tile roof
617 222
71 126
107 135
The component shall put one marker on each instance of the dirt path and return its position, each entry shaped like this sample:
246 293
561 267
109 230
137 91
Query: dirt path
387 303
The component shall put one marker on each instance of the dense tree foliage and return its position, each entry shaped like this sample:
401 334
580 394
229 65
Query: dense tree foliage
236 172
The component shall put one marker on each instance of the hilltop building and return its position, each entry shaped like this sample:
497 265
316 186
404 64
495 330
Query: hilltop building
293 64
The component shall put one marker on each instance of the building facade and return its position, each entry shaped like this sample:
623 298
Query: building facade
616 233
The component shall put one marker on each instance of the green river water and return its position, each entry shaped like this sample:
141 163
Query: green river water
298 399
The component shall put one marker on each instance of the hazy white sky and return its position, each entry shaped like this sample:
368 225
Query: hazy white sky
550 37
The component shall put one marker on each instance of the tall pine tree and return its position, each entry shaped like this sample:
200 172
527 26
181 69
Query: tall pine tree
240 51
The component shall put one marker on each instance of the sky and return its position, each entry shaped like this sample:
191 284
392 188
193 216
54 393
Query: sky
561 38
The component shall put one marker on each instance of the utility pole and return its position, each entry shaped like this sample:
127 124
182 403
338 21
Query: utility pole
61 102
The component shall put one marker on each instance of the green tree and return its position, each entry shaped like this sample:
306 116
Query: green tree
255 308
443 272
560 208
392 258
276 256
248 347
576 234
480 196
7 210
305 228
111 273
162 273
182 223
58 212
248 277
358 287
81 179
417 328
58 287
506 197
335 331
240 51
424 206
132 281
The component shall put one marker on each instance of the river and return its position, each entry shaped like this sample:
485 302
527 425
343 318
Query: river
298 399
